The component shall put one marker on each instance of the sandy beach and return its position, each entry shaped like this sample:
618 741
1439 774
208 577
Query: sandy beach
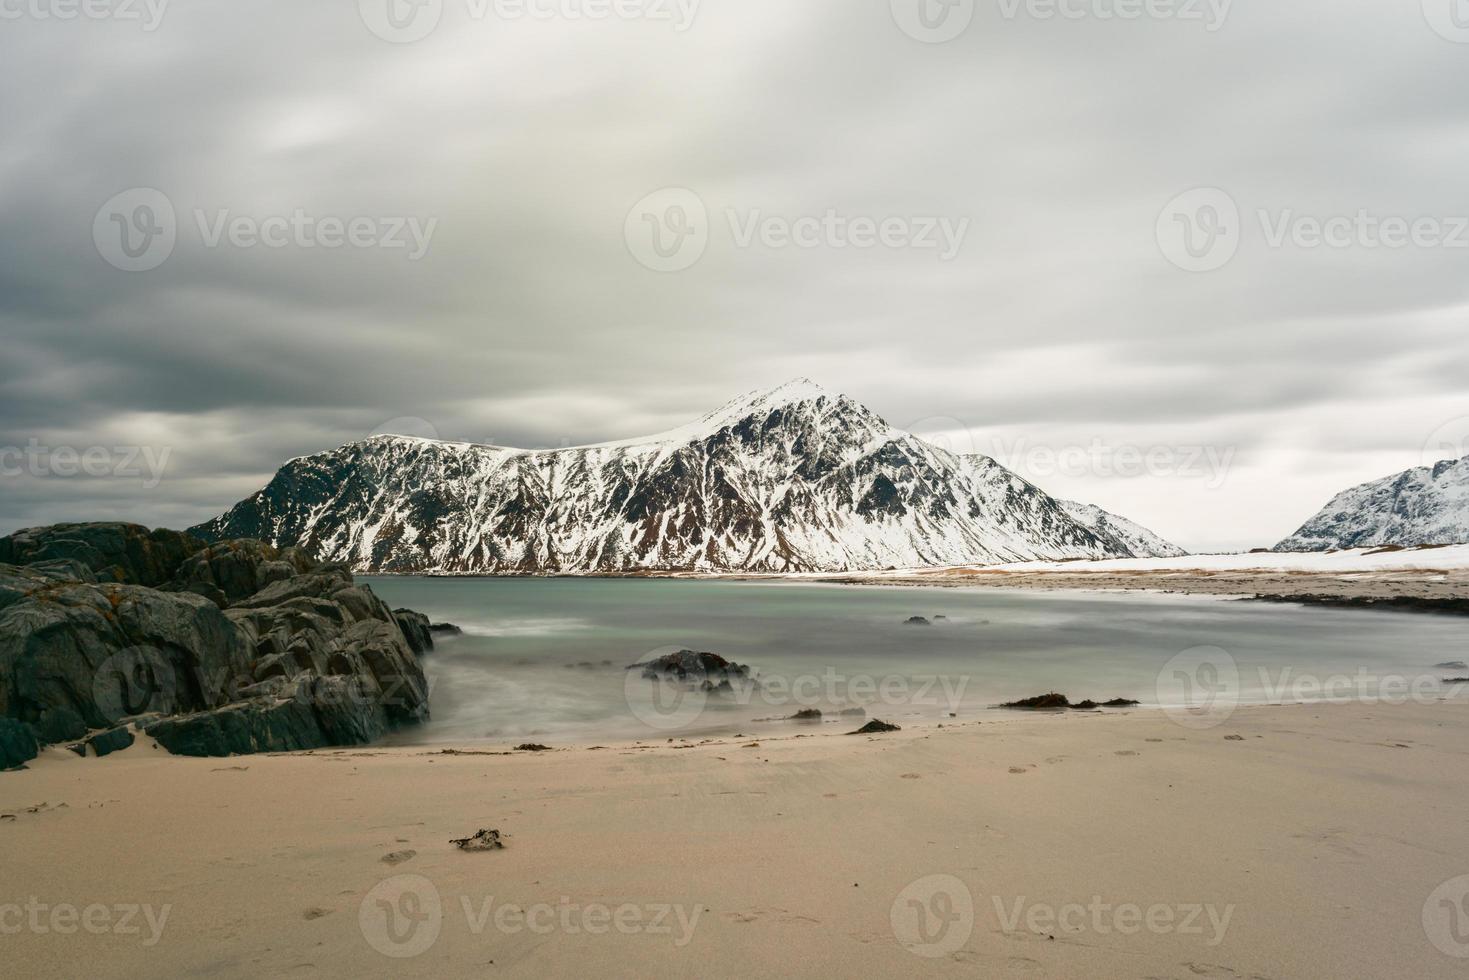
1294 841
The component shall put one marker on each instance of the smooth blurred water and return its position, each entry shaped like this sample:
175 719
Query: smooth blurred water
545 659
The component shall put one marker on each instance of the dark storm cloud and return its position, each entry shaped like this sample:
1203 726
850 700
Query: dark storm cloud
529 322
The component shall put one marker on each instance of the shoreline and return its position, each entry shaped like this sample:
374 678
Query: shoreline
790 856
1407 577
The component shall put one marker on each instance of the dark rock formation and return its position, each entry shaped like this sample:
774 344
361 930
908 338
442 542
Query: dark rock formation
1041 702
875 727
446 629
917 621
686 665
416 630
17 744
235 647
807 714
1053 701
112 552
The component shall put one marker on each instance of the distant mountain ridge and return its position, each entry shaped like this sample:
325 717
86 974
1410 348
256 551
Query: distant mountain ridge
1424 505
790 479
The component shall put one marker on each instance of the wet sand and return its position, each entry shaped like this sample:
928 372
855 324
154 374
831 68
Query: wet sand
1295 841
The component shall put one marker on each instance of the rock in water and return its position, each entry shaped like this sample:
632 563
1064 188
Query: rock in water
917 621
875 727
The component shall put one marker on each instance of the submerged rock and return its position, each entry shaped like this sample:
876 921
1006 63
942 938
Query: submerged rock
917 621
691 665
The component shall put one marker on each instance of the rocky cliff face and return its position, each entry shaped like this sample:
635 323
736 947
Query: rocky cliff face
792 479
240 648
1426 505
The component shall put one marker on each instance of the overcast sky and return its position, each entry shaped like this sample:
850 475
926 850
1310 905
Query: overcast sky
995 250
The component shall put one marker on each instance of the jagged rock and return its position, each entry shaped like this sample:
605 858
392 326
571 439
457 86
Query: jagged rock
236 570
416 629
302 661
807 714
875 727
447 629
17 743
114 552
108 742
917 621
99 652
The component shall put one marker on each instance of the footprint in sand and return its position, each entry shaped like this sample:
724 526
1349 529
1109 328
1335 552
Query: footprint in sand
910 775
1017 771
398 857
317 913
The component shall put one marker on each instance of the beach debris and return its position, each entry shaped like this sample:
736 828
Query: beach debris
917 621
874 727
481 840
533 747
398 857
1234 738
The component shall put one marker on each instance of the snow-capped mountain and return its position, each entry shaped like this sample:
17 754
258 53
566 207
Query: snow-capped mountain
1425 505
1136 538
791 479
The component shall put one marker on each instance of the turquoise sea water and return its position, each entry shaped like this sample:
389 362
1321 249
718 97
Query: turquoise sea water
545 659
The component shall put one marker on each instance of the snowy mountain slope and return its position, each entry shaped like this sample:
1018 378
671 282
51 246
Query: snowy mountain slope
1425 505
1133 536
791 479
